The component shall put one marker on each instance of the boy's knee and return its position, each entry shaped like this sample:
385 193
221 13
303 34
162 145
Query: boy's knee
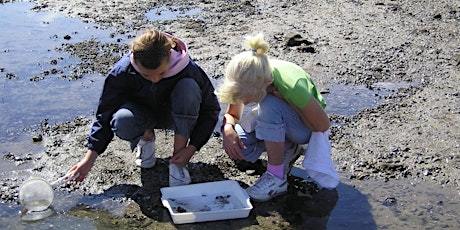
188 89
122 118
186 97
123 125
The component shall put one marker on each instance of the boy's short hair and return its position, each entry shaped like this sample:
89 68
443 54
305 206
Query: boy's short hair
151 47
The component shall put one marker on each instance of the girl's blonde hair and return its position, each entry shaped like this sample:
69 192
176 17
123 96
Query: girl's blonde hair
151 47
247 74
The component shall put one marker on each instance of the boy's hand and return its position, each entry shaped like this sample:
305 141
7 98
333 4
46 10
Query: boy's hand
183 156
83 167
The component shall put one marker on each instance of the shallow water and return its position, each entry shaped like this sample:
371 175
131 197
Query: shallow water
354 204
32 41
28 43
172 13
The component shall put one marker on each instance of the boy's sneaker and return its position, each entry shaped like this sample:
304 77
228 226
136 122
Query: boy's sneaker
267 187
145 154
178 176
291 155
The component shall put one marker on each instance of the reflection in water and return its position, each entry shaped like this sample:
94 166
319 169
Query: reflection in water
36 215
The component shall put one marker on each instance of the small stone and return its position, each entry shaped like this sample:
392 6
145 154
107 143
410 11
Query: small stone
37 138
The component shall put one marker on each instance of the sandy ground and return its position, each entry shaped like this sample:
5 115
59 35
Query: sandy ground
414 134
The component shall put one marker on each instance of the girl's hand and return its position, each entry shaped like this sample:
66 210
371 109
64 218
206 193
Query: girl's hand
232 143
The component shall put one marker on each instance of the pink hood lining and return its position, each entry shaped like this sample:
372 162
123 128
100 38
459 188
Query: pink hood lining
177 61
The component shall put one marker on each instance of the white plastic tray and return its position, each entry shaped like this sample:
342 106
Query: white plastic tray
206 202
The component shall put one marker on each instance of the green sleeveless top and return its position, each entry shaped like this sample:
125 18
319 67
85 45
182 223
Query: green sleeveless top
294 83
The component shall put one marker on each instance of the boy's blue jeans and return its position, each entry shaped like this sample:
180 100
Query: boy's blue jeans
131 120
276 122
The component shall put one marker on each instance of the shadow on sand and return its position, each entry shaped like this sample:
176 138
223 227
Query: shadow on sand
303 207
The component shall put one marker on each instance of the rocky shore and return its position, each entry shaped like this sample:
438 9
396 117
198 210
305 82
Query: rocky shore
414 134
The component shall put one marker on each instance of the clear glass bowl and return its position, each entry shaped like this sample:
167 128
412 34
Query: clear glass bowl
36 194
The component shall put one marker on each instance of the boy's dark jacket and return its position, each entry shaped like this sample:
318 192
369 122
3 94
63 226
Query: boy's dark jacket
124 83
